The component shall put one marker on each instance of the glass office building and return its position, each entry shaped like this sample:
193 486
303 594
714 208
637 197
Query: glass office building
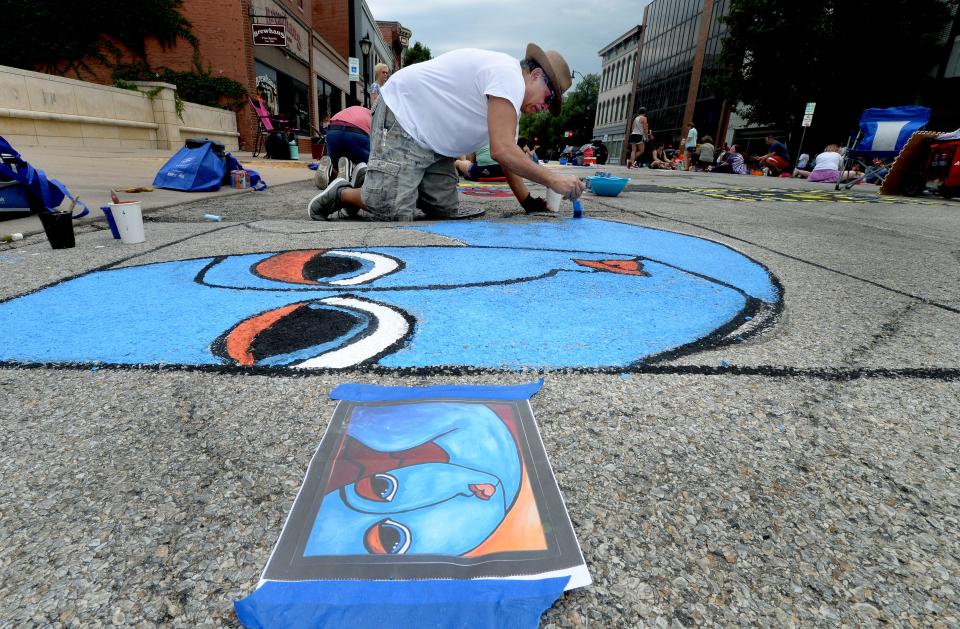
680 51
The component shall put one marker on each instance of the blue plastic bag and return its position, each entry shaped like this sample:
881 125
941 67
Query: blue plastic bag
197 169
35 183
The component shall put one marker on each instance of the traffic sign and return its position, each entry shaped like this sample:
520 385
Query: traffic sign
808 110
807 120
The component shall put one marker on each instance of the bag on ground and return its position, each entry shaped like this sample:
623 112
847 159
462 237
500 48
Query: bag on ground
198 167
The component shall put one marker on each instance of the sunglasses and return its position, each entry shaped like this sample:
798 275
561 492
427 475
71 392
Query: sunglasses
552 94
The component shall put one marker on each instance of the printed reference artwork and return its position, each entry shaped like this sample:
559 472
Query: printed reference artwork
420 487
580 293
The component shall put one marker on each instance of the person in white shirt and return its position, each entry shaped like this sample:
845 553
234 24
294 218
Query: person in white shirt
826 167
430 113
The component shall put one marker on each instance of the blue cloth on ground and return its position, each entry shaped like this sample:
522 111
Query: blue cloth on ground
478 603
50 191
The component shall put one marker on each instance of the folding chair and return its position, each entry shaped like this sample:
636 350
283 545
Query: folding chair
882 135
268 123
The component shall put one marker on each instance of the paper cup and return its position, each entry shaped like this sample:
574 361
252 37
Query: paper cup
129 220
554 199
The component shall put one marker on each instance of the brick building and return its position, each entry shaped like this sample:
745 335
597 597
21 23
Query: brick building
301 80
397 38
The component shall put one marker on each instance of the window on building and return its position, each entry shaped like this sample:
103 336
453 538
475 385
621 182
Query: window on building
953 62
328 98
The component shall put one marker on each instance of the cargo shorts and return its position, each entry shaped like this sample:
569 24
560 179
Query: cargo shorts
402 176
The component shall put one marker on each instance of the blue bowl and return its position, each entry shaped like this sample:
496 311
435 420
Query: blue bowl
608 186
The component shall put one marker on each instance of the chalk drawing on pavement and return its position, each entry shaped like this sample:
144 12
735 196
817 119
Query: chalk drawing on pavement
800 195
581 293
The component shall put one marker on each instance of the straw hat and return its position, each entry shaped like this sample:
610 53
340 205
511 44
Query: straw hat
557 71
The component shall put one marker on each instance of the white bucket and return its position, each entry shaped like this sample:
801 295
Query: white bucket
554 200
129 219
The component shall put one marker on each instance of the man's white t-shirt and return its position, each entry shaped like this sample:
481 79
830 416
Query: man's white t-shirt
442 103
828 161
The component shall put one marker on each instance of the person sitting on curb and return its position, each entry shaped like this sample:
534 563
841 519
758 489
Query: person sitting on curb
479 165
660 159
705 155
732 162
431 112
826 168
348 143
777 159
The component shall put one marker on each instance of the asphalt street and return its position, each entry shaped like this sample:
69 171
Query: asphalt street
797 469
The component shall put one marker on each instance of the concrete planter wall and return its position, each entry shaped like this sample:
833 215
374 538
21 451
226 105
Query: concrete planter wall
41 109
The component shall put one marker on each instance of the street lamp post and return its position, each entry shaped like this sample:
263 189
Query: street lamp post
365 49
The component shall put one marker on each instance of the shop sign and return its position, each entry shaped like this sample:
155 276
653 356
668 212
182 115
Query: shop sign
269 35
354 65
270 12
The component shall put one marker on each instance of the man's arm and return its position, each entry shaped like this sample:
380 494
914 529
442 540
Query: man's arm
502 127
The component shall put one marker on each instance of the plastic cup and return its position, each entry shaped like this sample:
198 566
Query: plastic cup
129 219
554 199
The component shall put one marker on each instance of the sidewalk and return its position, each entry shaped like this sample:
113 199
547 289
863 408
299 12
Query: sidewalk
92 173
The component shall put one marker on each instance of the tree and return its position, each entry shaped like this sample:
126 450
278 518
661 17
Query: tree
578 115
845 55
62 37
415 54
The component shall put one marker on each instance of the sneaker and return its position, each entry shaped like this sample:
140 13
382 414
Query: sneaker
324 204
344 168
359 174
324 170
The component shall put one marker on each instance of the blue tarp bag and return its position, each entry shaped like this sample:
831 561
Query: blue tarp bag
34 183
197 167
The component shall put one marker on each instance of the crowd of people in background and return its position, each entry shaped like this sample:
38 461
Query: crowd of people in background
700 154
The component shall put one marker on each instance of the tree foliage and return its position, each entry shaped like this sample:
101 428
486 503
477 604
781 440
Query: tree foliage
845 55
63 37
415 54
578 115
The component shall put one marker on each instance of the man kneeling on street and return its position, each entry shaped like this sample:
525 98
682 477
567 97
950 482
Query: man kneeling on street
430 113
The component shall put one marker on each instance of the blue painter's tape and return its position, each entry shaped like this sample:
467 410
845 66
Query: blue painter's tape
381 393
504 604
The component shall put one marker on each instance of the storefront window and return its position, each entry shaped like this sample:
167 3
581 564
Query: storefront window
328 98
285 97
267 86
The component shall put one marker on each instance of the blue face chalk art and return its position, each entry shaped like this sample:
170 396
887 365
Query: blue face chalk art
501 302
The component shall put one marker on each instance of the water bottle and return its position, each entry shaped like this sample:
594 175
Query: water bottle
577 208
213 218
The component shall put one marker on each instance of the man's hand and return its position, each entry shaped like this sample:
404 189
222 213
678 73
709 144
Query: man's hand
569 186
534 204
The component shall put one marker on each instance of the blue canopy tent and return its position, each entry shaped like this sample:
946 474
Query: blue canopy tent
882 135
